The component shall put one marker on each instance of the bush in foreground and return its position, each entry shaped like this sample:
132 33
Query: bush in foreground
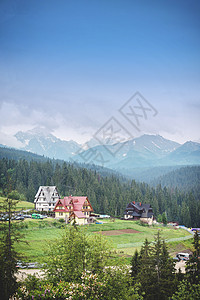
113 285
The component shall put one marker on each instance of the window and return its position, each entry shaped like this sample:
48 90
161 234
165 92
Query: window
60 214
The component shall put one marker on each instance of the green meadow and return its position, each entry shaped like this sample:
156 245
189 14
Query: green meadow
21 205
39 234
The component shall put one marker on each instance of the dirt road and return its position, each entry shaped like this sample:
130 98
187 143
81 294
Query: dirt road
180 265
23 273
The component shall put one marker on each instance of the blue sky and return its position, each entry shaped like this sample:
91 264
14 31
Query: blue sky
70 65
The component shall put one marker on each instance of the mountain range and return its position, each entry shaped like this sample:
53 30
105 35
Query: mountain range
42 142
134 157
146 151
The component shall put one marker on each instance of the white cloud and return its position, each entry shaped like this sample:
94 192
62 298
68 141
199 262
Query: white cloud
80 120
14 118
9 140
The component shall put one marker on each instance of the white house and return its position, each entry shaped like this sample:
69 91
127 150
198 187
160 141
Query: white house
46 198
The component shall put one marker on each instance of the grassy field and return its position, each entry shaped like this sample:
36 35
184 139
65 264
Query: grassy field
40 233
128 243
21 205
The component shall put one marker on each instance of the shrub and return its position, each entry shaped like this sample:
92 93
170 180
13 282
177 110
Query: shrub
61 220
90 288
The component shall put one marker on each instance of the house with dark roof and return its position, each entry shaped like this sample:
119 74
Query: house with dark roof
46 198
139 211
72 209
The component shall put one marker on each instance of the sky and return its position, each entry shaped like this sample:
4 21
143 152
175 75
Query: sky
70 66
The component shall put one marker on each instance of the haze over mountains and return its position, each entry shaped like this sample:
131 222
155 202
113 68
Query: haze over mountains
134 157
42 142
144 158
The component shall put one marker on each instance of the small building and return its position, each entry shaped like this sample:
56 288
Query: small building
46 198
72 209
139 211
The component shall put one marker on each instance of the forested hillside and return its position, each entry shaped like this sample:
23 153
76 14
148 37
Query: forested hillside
15 154
108 194
186 178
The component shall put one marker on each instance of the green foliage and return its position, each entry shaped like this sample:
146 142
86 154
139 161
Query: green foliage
164 218
89 288
193 265
61 220
75 253
14 195
135 264
187 291
185 178
9 236
108 194
154 270
114 285
118 284
32 282
159 218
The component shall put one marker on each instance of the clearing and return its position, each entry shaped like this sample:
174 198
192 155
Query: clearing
117 232
124 236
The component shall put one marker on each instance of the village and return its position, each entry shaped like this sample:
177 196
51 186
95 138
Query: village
51 216
79 209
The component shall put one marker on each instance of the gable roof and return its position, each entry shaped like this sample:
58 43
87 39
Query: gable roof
74 203
137 209
78 214
48 192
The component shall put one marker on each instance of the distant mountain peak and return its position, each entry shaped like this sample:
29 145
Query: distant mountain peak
41 141
39 130
144 151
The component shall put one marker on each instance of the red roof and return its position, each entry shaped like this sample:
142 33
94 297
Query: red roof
75 203
79 214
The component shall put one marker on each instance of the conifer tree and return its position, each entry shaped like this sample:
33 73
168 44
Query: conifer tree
157 271
193 265
165 270
135 265
8 256
146 276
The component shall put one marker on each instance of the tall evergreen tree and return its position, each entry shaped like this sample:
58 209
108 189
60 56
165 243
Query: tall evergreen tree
193 265
8 256
135 265
157 271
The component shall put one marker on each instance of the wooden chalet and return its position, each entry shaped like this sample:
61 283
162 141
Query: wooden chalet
139 211
72 209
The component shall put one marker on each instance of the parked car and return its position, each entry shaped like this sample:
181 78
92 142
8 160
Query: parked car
32 265
184 256
37 216
176 258
27 216
21 265
19 218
